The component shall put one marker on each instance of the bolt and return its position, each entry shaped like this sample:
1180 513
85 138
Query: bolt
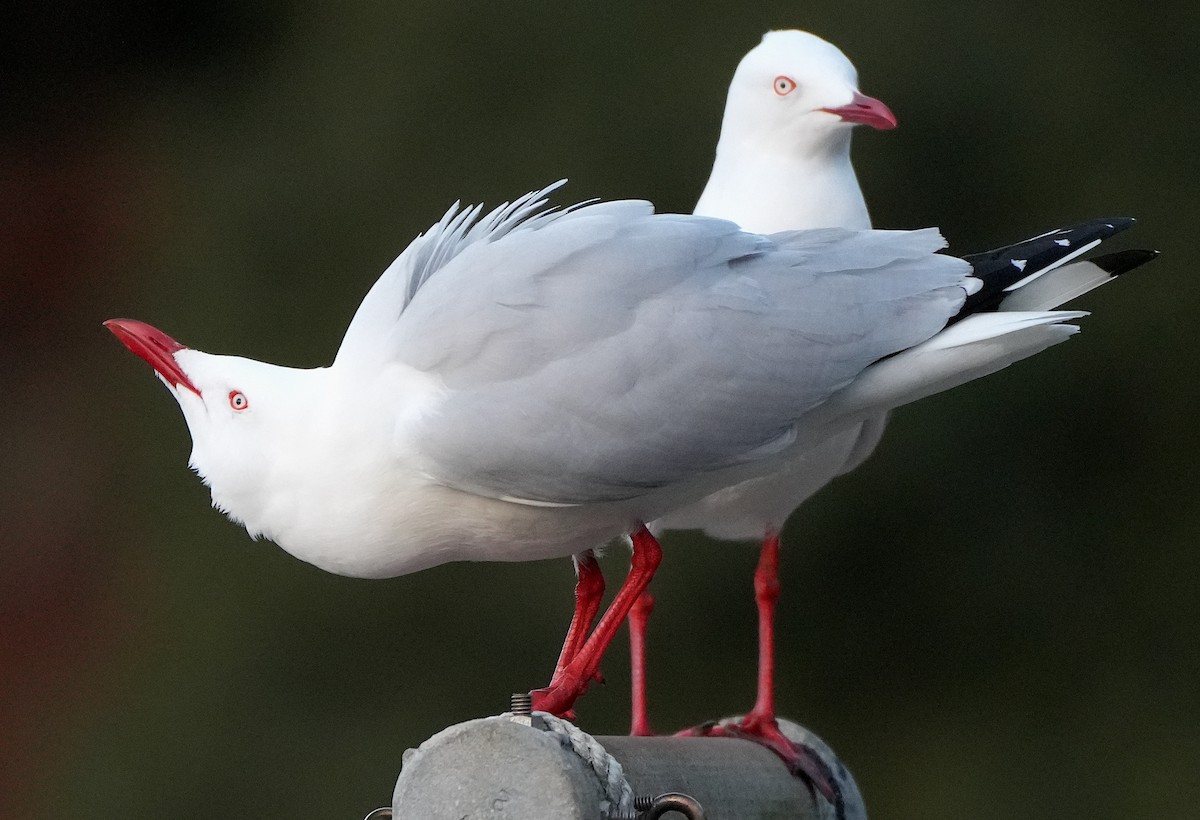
521 704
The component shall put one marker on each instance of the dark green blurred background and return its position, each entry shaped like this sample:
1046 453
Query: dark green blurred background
996 617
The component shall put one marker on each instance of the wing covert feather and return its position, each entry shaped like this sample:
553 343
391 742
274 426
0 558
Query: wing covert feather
611 351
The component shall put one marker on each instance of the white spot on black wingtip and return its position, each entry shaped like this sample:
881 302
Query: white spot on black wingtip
1066 243
1019 264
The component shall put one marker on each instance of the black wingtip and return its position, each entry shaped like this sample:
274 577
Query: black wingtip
1005 267
1101 227
1118 223
1124 261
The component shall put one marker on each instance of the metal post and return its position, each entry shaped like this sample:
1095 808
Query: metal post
538 768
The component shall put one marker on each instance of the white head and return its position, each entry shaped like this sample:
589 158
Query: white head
305 458
246 417
800 93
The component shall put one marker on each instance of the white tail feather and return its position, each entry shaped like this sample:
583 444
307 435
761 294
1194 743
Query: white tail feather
975 347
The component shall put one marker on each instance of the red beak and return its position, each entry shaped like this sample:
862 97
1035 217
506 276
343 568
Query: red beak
156 347
864 110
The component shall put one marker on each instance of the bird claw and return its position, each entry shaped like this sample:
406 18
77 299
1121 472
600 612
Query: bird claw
545 700
703 730
801 760
559 697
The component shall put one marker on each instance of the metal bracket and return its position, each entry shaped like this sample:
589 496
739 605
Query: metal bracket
652 808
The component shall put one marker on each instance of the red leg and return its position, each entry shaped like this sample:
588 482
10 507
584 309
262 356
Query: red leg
766 594
589 589
638 618
572 681
760 725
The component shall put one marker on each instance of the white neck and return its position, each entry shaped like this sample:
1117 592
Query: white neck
768 188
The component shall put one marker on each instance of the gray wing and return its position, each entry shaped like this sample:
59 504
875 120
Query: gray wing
610 351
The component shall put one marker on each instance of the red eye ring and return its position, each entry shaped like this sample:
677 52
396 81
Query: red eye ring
238 400
784 85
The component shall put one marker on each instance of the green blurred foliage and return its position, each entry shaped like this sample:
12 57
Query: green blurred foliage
995 617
